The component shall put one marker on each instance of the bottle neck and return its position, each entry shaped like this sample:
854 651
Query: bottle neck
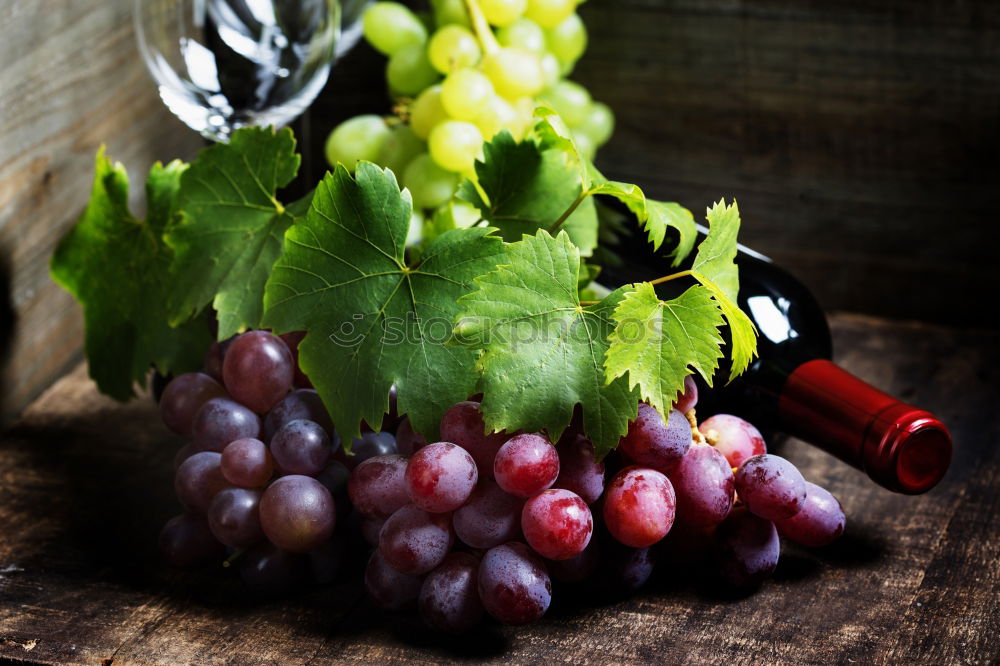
899 446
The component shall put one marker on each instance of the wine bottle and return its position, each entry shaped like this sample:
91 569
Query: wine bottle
792 385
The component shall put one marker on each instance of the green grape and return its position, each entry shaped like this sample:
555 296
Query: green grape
416 232
523 34
464 214
453 47
465 92
499 114
455 144
429 185
426 112
502 13
525 107
584 145
409 71
448 12
551 70
399 149
549 13
389 27
570 100
599 123
568 40
514 73
358 138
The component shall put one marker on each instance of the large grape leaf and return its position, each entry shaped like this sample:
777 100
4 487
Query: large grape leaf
657 343
715 269
372 320
232 226
528 185
115 265
542 351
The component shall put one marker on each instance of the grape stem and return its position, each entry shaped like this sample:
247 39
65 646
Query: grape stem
696 434
482 29
569 211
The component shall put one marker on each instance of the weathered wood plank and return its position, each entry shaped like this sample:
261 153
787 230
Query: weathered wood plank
72 79
85 484
858 137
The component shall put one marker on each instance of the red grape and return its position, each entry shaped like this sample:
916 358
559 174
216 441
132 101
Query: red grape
526 464
258 370
639 506
377 487
463 425
820 522
557 524
247 463
184 396
414 541
733 437
513 584
771 487
297 513
440 477
651 442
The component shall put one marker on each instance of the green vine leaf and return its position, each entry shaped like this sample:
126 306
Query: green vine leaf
528 185
657 343
115 265
715 268
232 227
372 320
542 352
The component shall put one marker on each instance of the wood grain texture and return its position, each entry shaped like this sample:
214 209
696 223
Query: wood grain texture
85 484
72 79
859 137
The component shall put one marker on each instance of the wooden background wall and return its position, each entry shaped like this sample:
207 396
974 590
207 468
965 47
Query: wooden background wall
71 79
861 138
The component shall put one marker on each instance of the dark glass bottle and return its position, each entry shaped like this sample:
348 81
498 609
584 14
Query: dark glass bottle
792 386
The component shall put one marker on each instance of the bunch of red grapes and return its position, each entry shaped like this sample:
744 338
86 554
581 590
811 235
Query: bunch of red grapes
477 523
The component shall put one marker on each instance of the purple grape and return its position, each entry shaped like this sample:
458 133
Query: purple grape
335 478
557 524
408 441
449 600
577 568
299 404
297 513
639 506
651 442
270 571
184 453
414 541
301 447
463 425
526 464
440 477
184 396
579 471
326 561
258 370
703 483
820 522
388 588
489 518
747 549
233 517
369 445
292 340
735 438
625 570
214 358
771 487
513 584
688 397
371 529
221 421
247 463
187 541
198 479
377 487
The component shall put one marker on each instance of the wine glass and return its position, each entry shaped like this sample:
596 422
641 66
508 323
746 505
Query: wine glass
224 64
350 22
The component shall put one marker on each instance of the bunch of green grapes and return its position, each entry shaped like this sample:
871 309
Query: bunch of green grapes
460 74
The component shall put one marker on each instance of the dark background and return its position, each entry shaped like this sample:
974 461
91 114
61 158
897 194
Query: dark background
861 139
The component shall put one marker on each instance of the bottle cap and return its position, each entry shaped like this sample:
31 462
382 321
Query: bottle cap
901 447
907 449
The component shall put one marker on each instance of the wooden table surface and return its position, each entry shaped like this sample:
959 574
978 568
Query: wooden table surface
85 485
